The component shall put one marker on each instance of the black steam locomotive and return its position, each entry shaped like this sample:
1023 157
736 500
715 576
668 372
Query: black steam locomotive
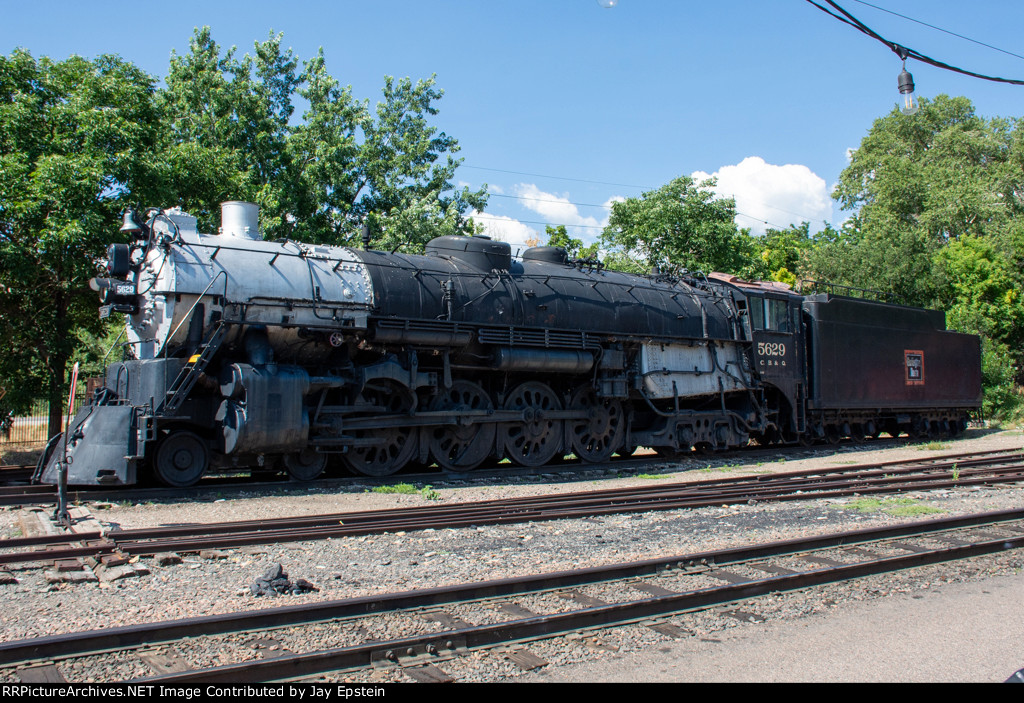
250 353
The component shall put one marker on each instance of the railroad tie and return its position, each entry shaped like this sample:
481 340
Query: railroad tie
582 598
427 673
727 576
516 610
41 673
525 659
653 590
670 630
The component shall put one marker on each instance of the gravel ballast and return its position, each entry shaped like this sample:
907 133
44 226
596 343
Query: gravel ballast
366 565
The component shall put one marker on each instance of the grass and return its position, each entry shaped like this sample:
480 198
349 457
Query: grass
932 446
407 489
899 507
654 476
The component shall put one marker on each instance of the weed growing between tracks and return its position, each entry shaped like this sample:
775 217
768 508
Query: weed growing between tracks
898 507
427 492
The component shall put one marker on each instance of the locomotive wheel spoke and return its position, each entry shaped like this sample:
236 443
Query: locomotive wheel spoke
181 459
392 450
392 447
595 437
537 439
305 465
462 447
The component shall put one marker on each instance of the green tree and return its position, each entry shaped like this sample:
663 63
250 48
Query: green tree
779 254
680 226
558 236
232 136
938 221
75 140
917 183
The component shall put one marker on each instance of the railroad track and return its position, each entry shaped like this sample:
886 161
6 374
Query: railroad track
417 633
16 473
985 468
15 491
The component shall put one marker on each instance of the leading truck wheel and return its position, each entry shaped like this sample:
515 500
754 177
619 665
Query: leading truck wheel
181 459
305 465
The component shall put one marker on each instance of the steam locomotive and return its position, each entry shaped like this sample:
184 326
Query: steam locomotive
280 355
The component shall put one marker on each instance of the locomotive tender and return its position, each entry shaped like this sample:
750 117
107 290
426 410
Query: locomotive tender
252 353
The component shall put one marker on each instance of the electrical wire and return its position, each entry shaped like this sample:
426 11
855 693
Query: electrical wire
608 207
902 51
940 29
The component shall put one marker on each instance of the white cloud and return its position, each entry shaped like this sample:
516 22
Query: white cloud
776 195
507 229
557 209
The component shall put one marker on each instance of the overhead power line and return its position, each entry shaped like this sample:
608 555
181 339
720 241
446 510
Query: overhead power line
902 51
608 207
557 178
940 29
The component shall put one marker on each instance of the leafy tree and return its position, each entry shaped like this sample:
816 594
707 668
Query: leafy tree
982 288
945 171
917 183
680 226
895 261
232 137
998 377
939 221
558 236
75 139
779 254
80 140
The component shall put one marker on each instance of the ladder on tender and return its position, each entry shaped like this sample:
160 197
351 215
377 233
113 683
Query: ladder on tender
196 364
801 408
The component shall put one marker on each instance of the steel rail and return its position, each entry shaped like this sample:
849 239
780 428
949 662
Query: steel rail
292 666
197 537
745 486
118 638
39 494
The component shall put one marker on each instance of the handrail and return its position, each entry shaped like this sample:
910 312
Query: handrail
188 314
836 289
123 330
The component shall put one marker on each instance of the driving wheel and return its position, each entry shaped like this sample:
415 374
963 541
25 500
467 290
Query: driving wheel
465 445
595 437
536 439
384 450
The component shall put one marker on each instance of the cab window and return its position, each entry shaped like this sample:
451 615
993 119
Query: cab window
771 315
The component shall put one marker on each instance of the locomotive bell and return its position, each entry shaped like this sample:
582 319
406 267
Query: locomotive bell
129 225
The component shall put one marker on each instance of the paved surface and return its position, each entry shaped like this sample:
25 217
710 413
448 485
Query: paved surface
969 632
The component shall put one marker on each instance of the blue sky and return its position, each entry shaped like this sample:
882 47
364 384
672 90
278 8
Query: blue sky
561 105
